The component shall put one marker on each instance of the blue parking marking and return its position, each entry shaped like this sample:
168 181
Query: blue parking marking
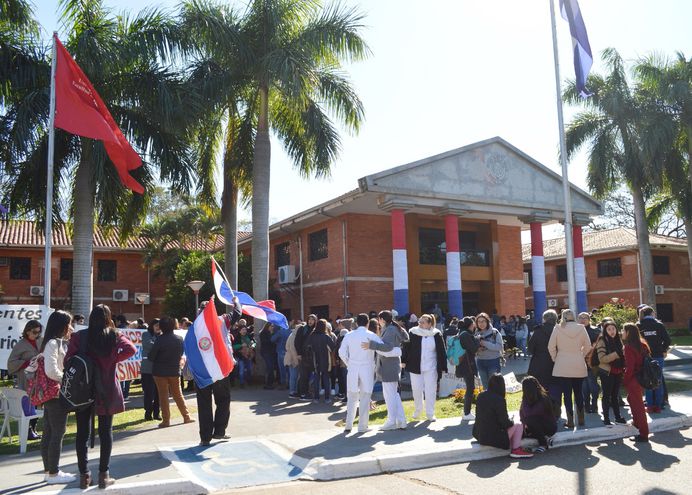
234 465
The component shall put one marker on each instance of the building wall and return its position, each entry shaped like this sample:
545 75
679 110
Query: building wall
677 285
130 276
368 267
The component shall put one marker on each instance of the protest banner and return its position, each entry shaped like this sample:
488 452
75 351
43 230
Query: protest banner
130 369
13 319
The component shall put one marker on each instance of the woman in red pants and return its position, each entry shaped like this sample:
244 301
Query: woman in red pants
635 350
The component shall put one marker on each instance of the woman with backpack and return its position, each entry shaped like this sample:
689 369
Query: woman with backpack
105 347
466 368
26 349
491 348
635 350
425 358
53 350
610 356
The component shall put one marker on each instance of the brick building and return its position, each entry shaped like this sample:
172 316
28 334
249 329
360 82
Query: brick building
612 263
119 271
444 230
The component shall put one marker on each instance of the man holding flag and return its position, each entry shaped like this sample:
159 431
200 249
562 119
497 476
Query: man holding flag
210 359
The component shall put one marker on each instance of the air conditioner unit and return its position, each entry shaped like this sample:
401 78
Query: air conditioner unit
287 274
120 295
142 298
659 290
36 290
552 303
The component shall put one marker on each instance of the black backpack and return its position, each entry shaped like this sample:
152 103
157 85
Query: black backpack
649 376
78 389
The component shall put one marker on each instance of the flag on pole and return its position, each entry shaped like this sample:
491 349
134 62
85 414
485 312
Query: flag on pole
583 60
207 355
80 110
264 310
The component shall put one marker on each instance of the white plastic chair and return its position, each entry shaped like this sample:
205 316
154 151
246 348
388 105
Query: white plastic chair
5 411
16 412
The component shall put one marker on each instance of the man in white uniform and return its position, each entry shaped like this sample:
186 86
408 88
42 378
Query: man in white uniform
361 372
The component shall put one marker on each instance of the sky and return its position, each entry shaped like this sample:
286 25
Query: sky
447 73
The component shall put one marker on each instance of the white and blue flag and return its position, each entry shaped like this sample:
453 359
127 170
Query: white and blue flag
583 60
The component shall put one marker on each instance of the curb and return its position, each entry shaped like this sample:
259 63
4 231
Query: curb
321 470
177 486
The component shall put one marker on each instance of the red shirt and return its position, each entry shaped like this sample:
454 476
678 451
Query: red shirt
633 362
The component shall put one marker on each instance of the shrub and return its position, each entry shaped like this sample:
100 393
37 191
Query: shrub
620 312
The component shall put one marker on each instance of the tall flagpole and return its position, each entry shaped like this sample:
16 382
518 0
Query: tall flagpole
571 290
49 181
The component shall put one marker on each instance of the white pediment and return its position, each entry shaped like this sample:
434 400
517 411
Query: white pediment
482 177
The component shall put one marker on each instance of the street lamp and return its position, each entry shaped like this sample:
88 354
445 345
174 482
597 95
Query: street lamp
196 285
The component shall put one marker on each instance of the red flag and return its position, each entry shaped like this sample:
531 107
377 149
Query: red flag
80 110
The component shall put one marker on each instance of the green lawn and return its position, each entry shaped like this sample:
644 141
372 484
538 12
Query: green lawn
682 340
128 420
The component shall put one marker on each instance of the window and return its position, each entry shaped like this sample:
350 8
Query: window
317 243
528 278
107 270
20 268
661 265
432 248
320 311
561 273
609 268
467 240
282 254
65 268
664 312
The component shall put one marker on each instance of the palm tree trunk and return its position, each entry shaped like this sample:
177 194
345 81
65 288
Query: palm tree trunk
229 214
688 230
83 233
641 227
261 168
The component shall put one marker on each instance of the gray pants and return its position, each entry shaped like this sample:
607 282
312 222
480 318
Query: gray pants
54 425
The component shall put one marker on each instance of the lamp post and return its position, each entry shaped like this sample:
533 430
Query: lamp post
196 285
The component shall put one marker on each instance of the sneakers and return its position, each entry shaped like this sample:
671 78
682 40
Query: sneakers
432 419
520 453
60 478
402 425
607 422
639 439
416 415
468 417
389 426
621 421
540 450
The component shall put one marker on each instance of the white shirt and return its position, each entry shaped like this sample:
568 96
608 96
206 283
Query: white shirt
428 354
351 351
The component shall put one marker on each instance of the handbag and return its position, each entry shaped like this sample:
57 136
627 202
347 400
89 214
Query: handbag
454 350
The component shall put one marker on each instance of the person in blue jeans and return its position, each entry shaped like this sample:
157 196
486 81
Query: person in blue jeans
656 335
489 350
279 338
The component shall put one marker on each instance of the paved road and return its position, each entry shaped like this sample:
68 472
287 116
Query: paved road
661 467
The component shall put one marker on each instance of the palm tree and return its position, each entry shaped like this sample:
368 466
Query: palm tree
616 127
281 65
124 58
228 125
671 85
294 53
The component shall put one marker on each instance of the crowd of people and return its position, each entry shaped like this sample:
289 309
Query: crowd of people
322 360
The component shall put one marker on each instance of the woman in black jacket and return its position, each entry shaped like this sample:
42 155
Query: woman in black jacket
425 358
541 364
165 355
493 426
322 346
466 368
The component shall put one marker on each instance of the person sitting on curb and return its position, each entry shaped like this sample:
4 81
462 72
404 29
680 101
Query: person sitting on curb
536 413
493 426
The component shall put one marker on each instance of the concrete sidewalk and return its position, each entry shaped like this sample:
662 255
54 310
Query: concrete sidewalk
275 441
